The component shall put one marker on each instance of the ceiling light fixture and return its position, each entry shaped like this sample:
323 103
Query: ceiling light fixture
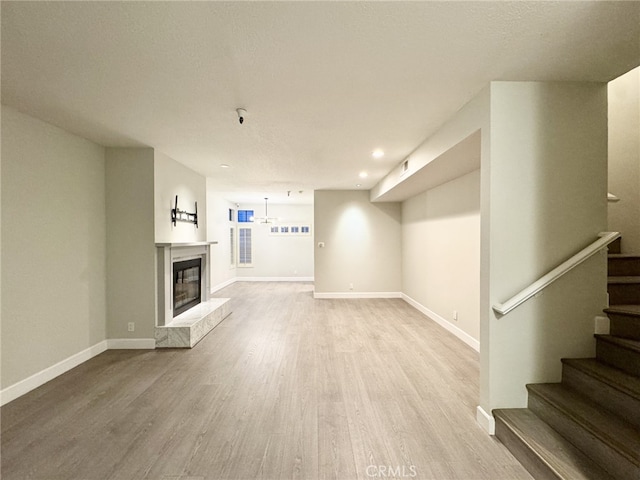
224 165
378 153
266 219
364 174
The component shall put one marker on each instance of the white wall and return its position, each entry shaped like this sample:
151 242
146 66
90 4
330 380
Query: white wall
131 252
171 179
441 252
624 158
0 258
141 188
546 187
222 271
542 198
274 257
53 245
280 256
362 243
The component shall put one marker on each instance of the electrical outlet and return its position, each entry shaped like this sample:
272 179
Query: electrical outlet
455 315
351 286
131 326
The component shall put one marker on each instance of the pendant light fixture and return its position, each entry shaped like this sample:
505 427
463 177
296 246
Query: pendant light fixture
266 219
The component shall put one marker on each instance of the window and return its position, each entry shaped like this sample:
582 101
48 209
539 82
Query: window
245 216
291 230
245 251
231 214
232 246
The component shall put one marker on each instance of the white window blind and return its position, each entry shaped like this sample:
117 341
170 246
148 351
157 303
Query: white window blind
245 250
232 246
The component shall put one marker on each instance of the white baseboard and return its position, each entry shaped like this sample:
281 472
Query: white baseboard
486 421
274 279
34 381
357 295
131 343
602 325
37 379
222 285
231 281
461 334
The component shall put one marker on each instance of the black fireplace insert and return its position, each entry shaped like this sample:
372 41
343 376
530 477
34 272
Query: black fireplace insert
186 285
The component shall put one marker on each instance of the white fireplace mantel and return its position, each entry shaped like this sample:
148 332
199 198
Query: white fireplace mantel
184 244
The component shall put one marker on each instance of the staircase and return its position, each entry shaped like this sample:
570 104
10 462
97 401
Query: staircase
588 426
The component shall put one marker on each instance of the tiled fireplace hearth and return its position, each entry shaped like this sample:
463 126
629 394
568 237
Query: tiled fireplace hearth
185 264
190 327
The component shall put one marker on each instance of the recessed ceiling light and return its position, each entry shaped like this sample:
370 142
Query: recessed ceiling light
224 165
364 174
378 153
358 185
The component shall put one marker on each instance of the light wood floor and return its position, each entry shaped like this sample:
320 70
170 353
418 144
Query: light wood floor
286 387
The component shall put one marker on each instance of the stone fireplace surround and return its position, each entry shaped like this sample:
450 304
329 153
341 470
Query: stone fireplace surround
188 328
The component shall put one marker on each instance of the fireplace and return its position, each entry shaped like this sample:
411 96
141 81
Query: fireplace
178 292
186 284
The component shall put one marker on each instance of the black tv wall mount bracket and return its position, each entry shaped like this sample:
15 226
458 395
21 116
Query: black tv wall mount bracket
178 215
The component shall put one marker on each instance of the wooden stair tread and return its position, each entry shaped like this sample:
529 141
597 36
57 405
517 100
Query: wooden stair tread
627 343
551 448
610 429
616 378
623 255
633 310
623 279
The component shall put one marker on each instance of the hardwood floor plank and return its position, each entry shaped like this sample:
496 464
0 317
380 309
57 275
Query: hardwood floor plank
335 451
286 387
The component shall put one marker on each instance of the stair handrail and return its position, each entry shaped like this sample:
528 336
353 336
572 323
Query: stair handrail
605 238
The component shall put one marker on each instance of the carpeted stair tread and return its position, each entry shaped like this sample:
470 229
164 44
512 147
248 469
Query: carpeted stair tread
608 428
551 451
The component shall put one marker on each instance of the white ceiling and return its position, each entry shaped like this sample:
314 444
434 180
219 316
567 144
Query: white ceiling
324 83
